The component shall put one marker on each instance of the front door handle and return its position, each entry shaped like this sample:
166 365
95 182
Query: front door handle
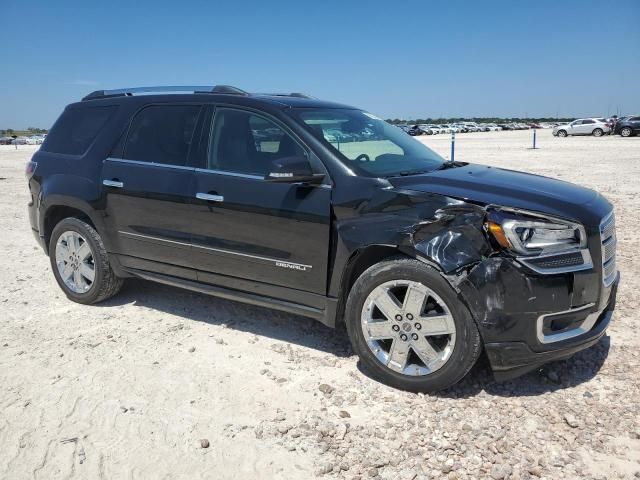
113 183
209 197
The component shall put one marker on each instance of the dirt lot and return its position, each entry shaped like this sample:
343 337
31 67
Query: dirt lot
129 388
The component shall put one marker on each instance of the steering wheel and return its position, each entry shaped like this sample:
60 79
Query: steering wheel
363 157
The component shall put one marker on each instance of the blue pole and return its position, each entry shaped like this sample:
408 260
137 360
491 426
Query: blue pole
453 145
534 138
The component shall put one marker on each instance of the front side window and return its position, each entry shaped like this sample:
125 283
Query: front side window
587 122
367 144
243 142
162 134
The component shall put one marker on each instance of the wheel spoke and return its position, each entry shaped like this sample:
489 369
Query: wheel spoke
437 325
414 300
424 350
67 272
84 251
61 254
398 355
78 280
72 242
88 271
379 330
386 304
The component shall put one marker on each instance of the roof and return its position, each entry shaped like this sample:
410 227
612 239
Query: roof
218 93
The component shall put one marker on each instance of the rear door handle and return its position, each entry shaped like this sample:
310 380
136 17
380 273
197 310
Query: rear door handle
209 197
113 183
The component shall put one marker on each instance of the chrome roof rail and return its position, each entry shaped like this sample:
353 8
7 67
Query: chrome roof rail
292 94
122 92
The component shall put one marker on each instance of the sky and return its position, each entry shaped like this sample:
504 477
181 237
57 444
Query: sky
396 59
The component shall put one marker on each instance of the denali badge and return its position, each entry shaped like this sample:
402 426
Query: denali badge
293 266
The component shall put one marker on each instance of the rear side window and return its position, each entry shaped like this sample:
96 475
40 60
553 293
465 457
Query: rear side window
76 129
162 134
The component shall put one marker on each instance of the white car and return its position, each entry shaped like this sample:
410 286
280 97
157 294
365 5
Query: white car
583 126
427 129
472 127
491 127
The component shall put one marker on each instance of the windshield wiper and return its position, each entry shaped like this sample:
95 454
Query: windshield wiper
449 164
407 173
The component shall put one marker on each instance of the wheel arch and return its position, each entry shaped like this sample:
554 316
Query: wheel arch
367 256
58 210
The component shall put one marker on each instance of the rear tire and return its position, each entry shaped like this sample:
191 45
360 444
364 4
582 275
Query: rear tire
597 132
80 262
562 133
626 132
449 356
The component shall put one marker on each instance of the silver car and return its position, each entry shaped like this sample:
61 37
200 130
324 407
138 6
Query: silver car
583 126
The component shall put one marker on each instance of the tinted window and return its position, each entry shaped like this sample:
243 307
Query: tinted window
162 134
586 122
246 143
76 129
634 119
367 144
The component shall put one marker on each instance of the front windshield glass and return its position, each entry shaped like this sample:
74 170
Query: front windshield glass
367 144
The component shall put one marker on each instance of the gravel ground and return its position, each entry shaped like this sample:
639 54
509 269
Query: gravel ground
164 383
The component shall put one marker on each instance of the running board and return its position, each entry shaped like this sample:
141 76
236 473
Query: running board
326 316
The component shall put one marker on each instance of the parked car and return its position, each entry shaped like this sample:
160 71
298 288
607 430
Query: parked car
472 127
506 126
413 130
583 126
20 141
492 127
628 126
426 129
427 262
6 140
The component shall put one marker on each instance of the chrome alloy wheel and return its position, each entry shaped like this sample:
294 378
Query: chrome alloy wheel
75 263
408 327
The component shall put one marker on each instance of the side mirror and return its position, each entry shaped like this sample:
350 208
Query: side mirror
295 169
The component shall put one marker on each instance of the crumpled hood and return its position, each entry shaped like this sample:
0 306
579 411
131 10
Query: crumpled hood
490 185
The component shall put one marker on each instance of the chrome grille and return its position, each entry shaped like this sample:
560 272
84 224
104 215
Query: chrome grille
608 238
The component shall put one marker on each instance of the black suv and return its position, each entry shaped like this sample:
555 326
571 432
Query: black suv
326 211
628 126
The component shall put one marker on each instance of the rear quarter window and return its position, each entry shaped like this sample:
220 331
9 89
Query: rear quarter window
76 129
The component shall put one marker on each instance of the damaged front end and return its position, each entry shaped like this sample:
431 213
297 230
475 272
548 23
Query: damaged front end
532 282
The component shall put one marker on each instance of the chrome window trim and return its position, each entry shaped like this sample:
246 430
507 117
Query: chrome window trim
199 170
152 164
276 261
229 174
586 325
252 177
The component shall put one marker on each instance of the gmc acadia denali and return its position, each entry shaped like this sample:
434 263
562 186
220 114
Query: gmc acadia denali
326 211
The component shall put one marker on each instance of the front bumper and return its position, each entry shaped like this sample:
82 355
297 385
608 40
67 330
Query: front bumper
512 359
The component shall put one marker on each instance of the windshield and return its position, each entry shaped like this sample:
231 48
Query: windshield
367 144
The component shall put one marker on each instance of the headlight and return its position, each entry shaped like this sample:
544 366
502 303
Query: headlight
544 243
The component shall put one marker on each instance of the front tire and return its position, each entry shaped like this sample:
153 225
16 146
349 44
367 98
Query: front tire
80 262
597 132
409 328
626 132
562 133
